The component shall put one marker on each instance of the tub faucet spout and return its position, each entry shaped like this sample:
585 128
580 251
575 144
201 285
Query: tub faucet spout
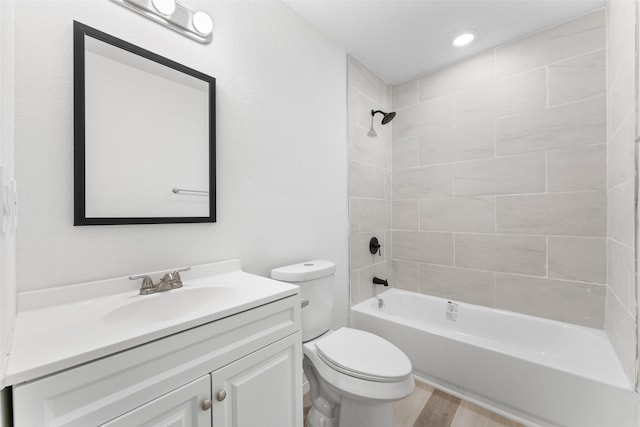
378 281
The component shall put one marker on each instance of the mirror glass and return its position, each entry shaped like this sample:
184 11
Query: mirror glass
144 135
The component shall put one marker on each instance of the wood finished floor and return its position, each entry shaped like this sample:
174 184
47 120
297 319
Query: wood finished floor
430 407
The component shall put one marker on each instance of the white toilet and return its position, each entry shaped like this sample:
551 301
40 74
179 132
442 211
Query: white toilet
354 376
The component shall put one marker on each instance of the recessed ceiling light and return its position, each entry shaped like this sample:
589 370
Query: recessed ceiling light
463 39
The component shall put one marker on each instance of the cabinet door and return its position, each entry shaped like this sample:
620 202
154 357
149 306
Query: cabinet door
179 408
262 389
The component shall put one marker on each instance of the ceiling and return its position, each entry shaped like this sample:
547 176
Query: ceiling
402 39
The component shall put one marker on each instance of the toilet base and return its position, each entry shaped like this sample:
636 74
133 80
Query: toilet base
357 413
354 413
316 419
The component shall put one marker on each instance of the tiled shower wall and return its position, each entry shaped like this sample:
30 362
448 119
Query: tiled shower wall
369 181
621 131
499 177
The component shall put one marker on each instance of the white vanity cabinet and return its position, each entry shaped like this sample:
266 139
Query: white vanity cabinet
245 369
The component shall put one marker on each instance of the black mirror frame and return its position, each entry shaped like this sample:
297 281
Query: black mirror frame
79 32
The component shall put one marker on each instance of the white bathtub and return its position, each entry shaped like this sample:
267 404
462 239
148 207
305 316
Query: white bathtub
541 372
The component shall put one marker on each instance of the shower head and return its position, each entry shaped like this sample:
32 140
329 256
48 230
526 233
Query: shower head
386 118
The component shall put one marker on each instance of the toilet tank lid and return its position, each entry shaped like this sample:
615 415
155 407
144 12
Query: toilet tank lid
304 271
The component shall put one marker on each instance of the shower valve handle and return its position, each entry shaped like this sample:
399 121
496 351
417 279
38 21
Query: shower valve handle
374 246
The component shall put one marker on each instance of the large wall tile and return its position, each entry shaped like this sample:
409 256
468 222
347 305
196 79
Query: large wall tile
363 80
577 169
405 95
621 152
518 94
458 214
470 143
372 151
621 213
578 258
504 175
578 78
388 184
470 286
406 215
366 181
406 275
354 215
572 302
580 123
621 17
387 246
405 153
495 252
375 215
573 214
423 182
621 96
352 105
470 72
425 118
436 248
621 269
621 327
581 35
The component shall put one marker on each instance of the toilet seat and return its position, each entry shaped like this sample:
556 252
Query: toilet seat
348 380
363 355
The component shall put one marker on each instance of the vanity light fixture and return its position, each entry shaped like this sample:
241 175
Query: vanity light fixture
197 26
463 39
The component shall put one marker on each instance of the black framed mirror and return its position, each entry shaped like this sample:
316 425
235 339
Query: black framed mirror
144 135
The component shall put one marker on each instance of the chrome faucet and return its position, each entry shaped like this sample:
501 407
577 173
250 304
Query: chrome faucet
170 281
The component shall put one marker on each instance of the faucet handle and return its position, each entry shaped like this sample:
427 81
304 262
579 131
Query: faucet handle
147 283
176 273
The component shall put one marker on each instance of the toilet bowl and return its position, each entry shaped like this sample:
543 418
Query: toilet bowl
354 376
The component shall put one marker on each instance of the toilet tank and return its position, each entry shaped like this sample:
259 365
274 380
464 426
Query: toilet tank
315 279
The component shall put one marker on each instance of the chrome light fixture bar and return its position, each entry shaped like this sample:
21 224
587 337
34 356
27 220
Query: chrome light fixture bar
195 25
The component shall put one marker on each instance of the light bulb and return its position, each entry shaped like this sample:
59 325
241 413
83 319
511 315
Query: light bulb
165 7
202 23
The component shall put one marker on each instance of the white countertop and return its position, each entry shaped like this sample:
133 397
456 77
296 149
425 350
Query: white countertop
50 338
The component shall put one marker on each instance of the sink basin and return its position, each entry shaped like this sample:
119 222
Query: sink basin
169 305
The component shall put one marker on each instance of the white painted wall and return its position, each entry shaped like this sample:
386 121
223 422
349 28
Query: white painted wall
281 146
8 239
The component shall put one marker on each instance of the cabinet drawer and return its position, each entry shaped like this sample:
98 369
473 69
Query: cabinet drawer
101 390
